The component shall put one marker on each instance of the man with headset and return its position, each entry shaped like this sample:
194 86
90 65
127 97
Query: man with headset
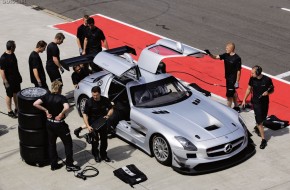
261 87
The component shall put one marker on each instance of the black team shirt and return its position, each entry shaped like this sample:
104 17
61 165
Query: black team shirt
52 51
233 64
81 33
54 103
36 63
95 38
96 109
8 63
260 86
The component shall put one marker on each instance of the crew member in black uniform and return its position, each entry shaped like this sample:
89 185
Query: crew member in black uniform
261 87
93 42
37 74
82 29
55 106
233 65
52 63
78 75
11 77
96 107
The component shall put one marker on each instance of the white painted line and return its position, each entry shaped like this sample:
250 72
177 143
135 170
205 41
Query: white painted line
285 9
282 75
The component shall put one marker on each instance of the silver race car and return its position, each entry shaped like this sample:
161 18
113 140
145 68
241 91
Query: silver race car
171 121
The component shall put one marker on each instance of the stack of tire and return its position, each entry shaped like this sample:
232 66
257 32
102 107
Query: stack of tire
31 129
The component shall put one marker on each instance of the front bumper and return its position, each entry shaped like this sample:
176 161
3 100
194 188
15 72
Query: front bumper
204 168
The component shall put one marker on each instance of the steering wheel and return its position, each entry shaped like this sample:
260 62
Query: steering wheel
145 97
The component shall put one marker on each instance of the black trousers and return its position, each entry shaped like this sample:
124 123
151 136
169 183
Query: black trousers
60 130
102 136
53 74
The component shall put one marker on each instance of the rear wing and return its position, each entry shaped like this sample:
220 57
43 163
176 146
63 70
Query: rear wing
70 62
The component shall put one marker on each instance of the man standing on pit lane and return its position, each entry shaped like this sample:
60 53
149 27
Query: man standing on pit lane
37 74
81 32
261 86
11 77
232 64
96 107
52 63
93 41
55 107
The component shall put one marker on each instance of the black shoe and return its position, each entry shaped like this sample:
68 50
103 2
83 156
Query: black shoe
55 167
88 138
98 159
106 159
72 168
77 132
256 130
238 109
12 114
263 144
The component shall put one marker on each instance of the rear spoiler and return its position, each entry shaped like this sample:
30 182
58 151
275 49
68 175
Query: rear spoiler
67 63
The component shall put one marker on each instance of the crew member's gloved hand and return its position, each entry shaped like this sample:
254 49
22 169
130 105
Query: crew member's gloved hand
61 70
207 51
237 84
6 84
39 84
81 51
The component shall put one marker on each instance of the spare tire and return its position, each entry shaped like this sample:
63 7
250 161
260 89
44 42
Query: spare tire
36 156
32 121
33 137
27 96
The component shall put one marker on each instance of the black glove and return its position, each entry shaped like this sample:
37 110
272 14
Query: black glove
39 84
61 69
207 51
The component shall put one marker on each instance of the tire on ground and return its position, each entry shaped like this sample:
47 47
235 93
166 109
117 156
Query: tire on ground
31 121
27 96
36 156
32 137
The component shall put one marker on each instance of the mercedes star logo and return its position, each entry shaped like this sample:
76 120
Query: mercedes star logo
228 148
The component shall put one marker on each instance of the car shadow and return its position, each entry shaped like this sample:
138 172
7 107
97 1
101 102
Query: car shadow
121 152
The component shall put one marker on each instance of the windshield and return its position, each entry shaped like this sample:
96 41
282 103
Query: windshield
159 93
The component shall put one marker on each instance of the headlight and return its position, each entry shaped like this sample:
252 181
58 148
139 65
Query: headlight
243 124
187 145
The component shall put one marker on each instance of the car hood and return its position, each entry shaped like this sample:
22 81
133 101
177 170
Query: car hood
199 121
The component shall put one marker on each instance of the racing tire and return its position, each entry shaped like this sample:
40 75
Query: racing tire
33 137
81 104
161 150
27 97
36 156
32 121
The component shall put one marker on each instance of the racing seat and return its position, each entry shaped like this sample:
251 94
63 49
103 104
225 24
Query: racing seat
143 97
